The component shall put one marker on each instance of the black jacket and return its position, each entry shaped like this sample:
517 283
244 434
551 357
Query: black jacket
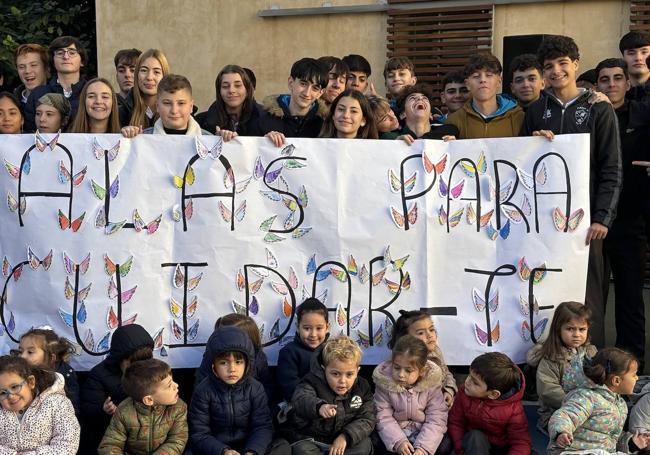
639 93
71 385
208 120
599 120
223 416
294 362
105 380
438 131
355 411
51 87
276 117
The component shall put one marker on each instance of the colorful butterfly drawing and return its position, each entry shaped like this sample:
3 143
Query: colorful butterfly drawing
273 238
100 192
89 341
479 302
512 214
111 319
353 269
275 329
455 217
124 296
504 190
523 269
364 276
150 228
542 175
287 309
393 287
293 164
13 170
104 343
364 339
387 256
64 222
5 266
272 176
560 219
258 168
12 203
226 214
177 331
378 337
525 205
377 277
493 233
538 331
204 151
399 263
111 268
27 164
525 307
254 306
439 166
70 267
34 261
526 179
64 174
41 143
398 218
100 152
240 186
238 308
188 179
311 265
482 336
470 169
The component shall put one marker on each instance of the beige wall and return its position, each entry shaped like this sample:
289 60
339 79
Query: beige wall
199 37
596 25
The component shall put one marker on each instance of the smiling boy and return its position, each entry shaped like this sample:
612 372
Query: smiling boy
33 68
415 105
527 80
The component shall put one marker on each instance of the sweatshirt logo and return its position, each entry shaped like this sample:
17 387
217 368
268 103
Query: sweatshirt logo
581 115
356 402
547 115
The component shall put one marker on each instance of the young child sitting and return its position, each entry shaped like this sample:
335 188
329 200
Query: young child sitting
153 420
411 411
334 409
35 415
229 412
487 416
559 359
592 417
416 106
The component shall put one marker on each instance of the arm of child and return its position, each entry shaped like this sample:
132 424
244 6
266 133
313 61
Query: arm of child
517 431
261 423
65 429
389 430
548 379
178 433
115 437
364 419
287 373
198 418
306 403
574 412
435 422
456 423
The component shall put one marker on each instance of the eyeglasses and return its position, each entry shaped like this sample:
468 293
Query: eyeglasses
13 390
66 50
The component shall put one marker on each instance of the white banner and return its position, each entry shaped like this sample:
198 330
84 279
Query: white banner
172 232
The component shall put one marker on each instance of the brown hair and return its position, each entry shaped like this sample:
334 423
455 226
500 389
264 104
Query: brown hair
606 363
28 48
143 353
482 62
553 348
413 348
341 348
13 364
222 118
420 87
367 131
496 370
404 321
139 105
81 122
128 57
172 83
56 348
141 378
399 63
246 323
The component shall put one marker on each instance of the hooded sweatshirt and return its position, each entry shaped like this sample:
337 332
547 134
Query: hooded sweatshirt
105 380
416 413
506 121
276 117
229 416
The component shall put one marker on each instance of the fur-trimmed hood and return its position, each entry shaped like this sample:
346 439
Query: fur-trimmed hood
383 378
278 106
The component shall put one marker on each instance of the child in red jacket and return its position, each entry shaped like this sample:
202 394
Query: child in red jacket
487 416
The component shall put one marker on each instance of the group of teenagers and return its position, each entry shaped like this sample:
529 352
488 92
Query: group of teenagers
317 403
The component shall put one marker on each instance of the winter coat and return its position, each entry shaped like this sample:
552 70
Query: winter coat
448 381
72 390
640 412
594 415
48 425
556 377
294 362
418 411
599 120
105 380
138 429
639 92
437 131
276 117
193 129
503 420
355 411
208 120
505 122
260 371
224 416
51 87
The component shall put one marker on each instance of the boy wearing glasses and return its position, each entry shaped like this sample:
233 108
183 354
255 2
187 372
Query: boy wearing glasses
67 57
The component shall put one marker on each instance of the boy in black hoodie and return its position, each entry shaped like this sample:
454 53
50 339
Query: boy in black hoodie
565 109
334 408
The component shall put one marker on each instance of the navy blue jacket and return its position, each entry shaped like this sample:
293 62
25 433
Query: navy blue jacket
72 390
294 362
224 416
51 87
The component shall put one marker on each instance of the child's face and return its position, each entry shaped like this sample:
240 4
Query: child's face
229 369
454 96
335 86
476 387
483 84
624 384
348 117
166 392
31 70
341 375
124 73
613 83
303 92
560 72
417 107
99 101
48 119
635 59
149 75
425 331
30 349
396 80
232 90
574 333
175 109
405 372
11 120
16 393
357 80
312 329
526 85
386 121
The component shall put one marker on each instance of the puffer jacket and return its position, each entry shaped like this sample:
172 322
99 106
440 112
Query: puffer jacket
138 429
224 416
503 420
294 362
556 377
276 117
419 410
505 122
48 425
448 381
105 380
355 411
594 415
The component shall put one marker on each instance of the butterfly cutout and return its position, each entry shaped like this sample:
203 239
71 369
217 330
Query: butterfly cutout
525 307
226 214
100 151
111 319
537 331
479 302
439 166
65 176
363 340
353 269
41 143
70 267
34 261
13 170
139 225
64 222
470 169
560 219
398 218
203 151
482 336
287 309
104 343
493 233
293 164
12 203
111 268
364 276
470 214
188 179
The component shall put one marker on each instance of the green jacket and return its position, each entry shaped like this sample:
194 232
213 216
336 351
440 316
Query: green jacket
138 429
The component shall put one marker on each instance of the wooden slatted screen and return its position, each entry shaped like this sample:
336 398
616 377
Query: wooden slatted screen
640 16
438 40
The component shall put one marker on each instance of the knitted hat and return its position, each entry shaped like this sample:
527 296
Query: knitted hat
57 101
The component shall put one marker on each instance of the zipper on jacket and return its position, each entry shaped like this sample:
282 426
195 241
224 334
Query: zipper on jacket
232 410
562 120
